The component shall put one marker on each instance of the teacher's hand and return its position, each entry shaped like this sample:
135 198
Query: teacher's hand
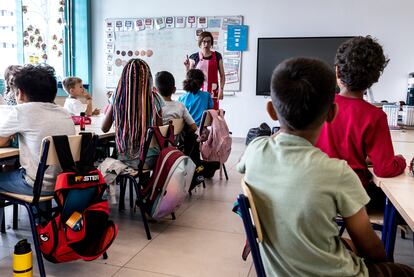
187 62
220 94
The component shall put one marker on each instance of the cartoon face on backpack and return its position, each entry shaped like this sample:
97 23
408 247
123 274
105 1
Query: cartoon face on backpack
44 237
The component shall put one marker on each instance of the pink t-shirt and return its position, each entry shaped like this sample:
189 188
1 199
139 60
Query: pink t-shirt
360 130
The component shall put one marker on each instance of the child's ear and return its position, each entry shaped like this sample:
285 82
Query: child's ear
332 112
20 96
174 90
271 110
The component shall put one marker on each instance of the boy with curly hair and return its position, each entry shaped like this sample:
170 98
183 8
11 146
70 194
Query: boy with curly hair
360 132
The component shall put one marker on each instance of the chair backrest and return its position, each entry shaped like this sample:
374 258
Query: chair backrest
253 210
48 156
75 142
252 227
178 127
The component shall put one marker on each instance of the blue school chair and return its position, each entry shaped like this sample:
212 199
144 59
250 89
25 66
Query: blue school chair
252 227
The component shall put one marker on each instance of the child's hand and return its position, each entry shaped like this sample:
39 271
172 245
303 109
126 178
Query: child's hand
86 95
96 112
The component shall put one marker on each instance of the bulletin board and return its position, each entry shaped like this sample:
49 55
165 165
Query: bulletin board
164 42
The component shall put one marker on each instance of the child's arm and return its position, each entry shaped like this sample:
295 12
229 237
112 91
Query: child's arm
4 141
188 119
88 98
380 150
367 243
107 122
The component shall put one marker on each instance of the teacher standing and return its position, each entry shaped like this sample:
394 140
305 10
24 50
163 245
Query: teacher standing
211 63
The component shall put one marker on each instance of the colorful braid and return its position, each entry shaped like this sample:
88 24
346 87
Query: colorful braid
134 108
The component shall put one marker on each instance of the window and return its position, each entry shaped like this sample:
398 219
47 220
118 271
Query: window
56 32
43 33
8 35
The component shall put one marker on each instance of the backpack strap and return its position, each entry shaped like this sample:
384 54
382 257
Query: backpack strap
88 151
64 154
162 141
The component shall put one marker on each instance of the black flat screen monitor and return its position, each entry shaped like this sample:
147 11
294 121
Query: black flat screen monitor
272 51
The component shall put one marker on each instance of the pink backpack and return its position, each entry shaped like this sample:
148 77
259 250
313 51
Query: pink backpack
217 147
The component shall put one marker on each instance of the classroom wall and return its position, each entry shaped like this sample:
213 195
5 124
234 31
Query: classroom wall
389 21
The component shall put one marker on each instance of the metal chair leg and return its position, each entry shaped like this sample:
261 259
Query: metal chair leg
131 195
36 241
105 256
139 203
225 172
15 216
3 221
122 188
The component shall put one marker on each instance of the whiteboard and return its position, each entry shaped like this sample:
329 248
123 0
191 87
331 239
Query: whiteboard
164 43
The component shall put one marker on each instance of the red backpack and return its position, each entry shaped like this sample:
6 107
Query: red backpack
171 178
79 228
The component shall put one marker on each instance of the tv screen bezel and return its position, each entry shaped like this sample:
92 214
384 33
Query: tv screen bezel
267 38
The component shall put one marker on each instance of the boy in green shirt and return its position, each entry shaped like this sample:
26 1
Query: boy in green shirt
299 190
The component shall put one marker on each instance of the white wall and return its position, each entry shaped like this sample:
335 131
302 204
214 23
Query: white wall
390 21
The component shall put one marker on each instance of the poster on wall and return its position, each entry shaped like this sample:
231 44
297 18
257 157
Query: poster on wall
164 43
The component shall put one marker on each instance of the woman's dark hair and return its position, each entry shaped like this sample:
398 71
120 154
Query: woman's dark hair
302 90
360 62
204 35
38 82
194 80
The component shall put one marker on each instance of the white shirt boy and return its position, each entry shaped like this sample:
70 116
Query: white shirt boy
32 122
74 106
174 110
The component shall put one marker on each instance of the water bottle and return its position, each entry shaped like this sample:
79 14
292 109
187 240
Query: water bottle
22 259
82 121
410 90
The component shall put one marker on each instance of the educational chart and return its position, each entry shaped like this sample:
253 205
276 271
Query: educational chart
164 43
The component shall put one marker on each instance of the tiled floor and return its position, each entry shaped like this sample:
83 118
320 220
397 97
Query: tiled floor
206 239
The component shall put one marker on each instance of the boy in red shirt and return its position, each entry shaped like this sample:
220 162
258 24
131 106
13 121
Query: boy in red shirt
360 131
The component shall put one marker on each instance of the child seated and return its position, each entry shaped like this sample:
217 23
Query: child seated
34 117
74 87
360 131
165 85
299 191
10 93
135 108
195 100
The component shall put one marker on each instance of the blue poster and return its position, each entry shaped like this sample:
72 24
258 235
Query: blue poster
237 37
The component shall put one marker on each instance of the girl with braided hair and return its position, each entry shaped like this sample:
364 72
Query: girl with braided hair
135 107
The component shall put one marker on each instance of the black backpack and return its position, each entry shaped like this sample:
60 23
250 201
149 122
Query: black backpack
262 130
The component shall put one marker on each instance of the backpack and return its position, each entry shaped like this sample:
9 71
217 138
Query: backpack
218 144
262 130
79 228
171 178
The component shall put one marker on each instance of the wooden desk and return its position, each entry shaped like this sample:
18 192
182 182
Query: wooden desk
8 152
399 191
